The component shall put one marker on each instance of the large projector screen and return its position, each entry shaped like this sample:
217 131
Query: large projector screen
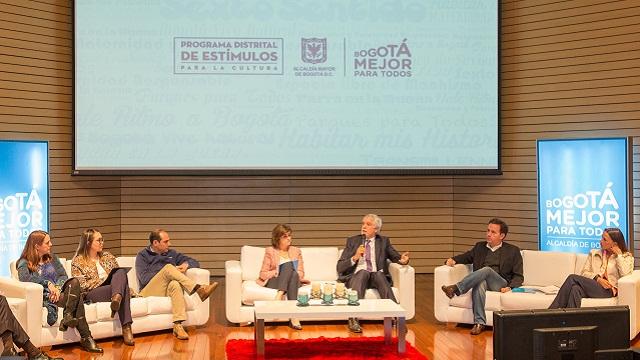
235 87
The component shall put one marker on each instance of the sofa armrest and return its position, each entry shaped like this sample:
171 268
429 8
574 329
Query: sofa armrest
446 275
404 279
628 294
200 276
233 290
32 293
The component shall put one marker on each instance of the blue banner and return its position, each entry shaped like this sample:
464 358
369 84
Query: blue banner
582 189
24 196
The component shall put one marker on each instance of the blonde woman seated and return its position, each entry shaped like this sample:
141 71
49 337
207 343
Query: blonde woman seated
102 280
600 273
283 268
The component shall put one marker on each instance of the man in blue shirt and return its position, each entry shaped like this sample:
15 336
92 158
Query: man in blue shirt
161 272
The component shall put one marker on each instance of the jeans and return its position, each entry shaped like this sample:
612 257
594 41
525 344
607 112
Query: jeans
479 282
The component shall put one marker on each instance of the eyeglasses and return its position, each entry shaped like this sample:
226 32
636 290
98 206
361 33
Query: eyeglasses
100 240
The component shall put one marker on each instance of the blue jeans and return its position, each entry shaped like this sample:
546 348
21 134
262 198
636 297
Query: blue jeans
479 282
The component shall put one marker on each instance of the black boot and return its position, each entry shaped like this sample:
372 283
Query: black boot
68 320
88 344
70 302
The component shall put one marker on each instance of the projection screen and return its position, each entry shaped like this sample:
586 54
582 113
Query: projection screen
262 87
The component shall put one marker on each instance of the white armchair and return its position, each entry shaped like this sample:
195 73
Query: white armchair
241 289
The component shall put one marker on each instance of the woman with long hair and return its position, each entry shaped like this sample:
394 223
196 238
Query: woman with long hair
600 273
38 264
101 279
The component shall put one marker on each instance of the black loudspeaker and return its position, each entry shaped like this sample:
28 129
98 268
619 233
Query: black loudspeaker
618 354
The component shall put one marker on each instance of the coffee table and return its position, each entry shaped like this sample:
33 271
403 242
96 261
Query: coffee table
368 308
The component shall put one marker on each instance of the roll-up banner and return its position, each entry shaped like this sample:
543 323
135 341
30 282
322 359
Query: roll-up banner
583 188
24 196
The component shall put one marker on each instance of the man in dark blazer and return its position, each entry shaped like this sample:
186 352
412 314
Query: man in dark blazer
497 266
364 263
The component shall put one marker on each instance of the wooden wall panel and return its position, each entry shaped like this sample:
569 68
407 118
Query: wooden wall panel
35 104
210 218
570 69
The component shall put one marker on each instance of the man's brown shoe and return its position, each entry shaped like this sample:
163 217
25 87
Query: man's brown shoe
179 332
204 291
477 329
450 291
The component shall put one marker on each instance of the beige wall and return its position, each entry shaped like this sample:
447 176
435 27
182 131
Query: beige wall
569 69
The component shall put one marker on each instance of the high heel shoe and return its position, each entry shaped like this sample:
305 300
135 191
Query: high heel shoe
295 324
88 344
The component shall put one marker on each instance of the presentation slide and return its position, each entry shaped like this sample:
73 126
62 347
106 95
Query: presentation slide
286 86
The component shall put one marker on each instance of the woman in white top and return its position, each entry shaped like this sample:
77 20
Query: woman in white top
101 279
600 273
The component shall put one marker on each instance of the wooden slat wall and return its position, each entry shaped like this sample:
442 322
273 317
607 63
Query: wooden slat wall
212 217
569 69
36 103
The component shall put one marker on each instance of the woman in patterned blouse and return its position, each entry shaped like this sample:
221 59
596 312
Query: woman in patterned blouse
101 279
39 265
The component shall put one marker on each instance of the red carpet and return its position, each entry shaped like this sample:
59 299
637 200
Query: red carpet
322 348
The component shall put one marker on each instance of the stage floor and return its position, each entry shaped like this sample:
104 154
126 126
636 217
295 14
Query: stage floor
436 340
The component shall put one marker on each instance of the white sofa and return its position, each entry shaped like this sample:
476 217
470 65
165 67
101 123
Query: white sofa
319 265
540 268
149 314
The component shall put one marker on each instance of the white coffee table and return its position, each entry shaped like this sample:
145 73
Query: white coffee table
378 308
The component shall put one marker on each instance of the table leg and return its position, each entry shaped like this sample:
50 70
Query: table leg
259 337
402 335
387 330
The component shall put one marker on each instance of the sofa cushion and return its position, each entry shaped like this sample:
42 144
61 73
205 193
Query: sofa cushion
543 268
464 301
320 263
251 292
141 307
590 302
374 294
159 304
251 261
517 300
